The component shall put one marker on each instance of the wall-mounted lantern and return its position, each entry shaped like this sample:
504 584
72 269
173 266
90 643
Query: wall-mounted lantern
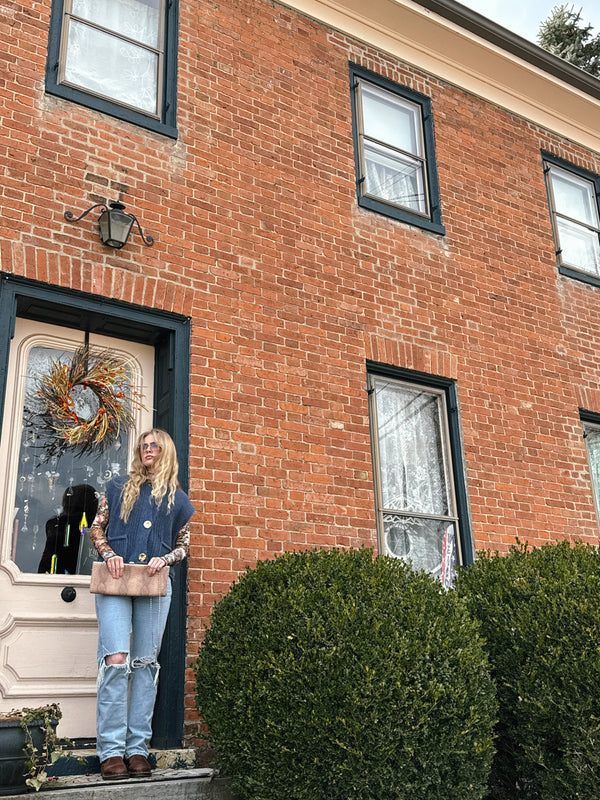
115 224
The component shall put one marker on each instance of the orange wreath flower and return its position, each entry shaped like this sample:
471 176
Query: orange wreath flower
105 379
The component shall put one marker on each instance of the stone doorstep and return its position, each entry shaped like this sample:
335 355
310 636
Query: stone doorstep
85 762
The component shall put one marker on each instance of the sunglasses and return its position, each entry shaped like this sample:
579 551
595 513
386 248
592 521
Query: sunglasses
150 446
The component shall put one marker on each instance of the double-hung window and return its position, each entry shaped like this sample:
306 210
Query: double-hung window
394 151
573 195
117 56
419 488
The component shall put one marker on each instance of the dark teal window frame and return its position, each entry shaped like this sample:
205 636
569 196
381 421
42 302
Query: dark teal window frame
167 124
548 160
450 390
432 222
170 336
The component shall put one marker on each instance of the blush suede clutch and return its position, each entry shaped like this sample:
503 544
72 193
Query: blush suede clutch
135 581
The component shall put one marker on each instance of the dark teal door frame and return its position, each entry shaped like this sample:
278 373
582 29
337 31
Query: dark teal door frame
170 336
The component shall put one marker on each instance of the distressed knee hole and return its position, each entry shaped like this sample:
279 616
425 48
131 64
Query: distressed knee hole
115 659
105 664
147 661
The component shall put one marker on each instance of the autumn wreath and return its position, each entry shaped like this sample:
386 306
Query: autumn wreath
83 406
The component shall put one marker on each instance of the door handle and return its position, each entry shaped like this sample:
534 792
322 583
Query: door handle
68 594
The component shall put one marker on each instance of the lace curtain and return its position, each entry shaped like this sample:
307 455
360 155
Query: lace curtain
592 440
394 180
412 468
108 65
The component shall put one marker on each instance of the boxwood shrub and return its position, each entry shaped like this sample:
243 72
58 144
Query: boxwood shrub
540 614
330 675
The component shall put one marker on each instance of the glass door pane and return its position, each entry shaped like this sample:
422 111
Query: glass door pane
56 498
49 495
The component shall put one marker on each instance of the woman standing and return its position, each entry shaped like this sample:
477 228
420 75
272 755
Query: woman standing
142 519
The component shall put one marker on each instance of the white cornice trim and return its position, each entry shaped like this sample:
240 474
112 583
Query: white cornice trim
441 47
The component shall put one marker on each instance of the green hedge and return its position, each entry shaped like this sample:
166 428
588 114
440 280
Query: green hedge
330 675
540 613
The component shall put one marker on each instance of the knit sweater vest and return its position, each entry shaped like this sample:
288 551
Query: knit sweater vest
151 530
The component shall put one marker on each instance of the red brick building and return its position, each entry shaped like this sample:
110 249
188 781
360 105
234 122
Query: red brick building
369 316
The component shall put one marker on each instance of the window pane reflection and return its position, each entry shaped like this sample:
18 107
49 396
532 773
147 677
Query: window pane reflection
56 499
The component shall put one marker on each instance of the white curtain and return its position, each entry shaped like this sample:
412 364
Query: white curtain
412 465
107 65
399 181
592 440
411 451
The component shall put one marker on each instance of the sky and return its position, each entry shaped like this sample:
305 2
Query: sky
524 16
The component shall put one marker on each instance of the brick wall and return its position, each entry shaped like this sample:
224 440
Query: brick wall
291 286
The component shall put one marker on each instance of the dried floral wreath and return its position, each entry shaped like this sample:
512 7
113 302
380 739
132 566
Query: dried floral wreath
83 406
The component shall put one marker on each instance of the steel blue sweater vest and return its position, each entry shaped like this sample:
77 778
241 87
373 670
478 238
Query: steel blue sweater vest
150 530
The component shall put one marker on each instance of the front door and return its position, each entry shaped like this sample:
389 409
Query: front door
47 620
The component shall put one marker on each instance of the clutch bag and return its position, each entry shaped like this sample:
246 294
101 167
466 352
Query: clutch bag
135 581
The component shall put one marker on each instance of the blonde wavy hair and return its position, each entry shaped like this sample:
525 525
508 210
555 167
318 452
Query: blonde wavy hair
164 473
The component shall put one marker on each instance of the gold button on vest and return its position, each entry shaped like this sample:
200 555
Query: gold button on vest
142 557
148 523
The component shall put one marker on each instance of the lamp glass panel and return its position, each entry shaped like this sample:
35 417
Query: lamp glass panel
103 224
119 226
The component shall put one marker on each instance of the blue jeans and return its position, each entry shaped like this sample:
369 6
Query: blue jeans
127 692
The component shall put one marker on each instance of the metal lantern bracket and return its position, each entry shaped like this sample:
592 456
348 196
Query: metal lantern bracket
115 224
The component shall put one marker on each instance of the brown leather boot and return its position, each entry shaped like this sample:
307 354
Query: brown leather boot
114 769
138 766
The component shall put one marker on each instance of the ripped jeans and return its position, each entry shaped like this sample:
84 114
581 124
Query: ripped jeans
127 692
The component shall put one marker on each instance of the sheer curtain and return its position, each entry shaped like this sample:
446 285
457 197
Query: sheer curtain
107 64
395 180
592 441
414 480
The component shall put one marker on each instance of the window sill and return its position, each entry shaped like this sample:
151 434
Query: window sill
582 277
402 216
113 110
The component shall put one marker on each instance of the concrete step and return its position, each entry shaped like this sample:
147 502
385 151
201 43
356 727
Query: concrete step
164 784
